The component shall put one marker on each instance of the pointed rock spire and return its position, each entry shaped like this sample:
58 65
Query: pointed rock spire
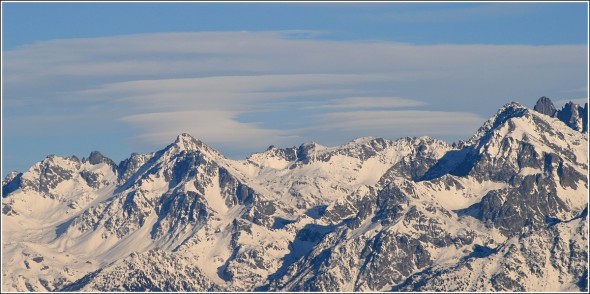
545 106
570 115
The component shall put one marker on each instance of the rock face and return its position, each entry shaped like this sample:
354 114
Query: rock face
545 106
11 183
503 211
573 115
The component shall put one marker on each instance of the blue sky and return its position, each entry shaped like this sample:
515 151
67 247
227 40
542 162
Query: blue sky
128 77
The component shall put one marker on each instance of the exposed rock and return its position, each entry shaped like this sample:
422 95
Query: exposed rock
545 106
503 211
570 115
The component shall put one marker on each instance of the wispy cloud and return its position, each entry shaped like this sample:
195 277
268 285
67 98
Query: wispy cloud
216 126
407 122
370 103
247 90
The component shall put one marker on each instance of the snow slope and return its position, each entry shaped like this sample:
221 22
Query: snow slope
369 215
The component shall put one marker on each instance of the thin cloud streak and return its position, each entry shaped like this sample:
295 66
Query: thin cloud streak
408 121
370 102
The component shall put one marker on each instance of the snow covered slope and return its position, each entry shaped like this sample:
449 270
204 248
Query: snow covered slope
369 215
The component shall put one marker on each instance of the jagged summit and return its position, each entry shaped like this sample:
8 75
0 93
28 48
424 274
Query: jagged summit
187 142
510 110
515 104
506 112
96 157
573 115
545 106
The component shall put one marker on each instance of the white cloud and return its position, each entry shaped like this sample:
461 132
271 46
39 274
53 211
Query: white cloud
371 102
214 127
414 122
238 88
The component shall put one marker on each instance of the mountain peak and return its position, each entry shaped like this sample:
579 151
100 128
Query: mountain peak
573 115
506 112
509 110
545 106
512 105
96 157
185 141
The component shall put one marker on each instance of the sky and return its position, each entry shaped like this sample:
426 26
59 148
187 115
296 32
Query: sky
130 77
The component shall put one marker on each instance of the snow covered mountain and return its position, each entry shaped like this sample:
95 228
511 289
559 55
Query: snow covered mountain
505 210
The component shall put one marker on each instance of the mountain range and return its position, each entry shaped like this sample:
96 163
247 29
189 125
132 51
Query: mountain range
506 210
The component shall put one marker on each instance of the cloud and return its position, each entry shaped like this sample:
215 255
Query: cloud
407 122
173 55
371 102
213 126
209 107
243 91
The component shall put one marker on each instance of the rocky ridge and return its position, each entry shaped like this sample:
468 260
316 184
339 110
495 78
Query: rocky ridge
414 214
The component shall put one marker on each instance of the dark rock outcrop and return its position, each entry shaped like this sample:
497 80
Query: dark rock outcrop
545 106
573 115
